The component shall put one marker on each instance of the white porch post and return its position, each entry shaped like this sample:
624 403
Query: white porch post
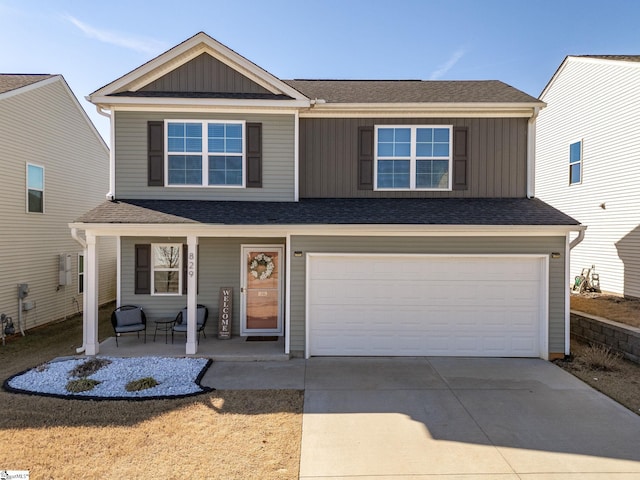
192 300
91 296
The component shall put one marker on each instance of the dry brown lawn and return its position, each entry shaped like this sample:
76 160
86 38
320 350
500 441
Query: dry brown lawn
623 310
218 435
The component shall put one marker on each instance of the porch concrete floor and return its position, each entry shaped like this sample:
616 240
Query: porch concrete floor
236 349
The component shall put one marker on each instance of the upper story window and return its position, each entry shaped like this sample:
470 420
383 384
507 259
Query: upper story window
166 264
35 188
575 163
205 153
416 157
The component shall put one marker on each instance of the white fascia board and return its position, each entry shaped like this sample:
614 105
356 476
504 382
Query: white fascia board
459 110
554 77
186 51
218 230
140 103
31 86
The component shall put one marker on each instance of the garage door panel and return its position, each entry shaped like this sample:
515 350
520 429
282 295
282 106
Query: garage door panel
422 305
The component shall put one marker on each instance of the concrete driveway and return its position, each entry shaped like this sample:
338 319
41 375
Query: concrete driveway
450 418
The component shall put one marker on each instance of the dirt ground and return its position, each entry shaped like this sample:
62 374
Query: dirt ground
620 380
217 435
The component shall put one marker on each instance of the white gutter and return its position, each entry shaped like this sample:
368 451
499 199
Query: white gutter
578 239
531 154
83 244
112 164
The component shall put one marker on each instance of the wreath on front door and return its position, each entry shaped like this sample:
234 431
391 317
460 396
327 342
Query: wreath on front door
261 266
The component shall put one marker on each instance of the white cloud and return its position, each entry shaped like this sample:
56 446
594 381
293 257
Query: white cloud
448 65
139 44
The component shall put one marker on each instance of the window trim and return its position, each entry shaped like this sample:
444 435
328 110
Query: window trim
580 162
34 189
153 269
412 159
204 153
81 273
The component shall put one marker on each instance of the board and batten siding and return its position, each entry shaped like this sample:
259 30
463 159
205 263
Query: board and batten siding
597 102
329 157
45 126
278 153
204 74
431 245
219 264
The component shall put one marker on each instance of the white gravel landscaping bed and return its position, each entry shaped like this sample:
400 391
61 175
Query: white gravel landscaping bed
176 377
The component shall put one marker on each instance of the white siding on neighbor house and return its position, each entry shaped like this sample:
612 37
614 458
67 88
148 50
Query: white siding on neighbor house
278 152
598 102
46 127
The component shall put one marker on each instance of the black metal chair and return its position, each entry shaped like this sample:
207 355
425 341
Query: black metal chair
180 325
129 319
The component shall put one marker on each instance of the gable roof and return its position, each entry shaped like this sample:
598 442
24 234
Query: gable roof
177 56
411 91
631 60
335 211
13 81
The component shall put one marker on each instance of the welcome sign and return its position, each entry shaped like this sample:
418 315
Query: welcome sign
225 312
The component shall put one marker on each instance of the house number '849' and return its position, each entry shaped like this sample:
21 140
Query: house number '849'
192 265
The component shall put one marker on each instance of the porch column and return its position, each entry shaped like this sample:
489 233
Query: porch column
91 296
192 300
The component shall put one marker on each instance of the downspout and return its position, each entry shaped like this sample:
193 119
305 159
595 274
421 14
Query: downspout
578 239
112 164
83 244
531 153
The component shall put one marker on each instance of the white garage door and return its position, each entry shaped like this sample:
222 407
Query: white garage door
404 305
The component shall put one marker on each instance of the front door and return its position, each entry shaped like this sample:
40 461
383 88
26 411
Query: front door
261 302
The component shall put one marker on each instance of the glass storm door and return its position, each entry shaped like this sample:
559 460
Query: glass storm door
262 279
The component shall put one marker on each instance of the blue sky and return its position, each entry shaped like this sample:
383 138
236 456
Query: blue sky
521 42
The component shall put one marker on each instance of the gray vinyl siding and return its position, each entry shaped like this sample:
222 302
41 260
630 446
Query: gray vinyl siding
431 245
277 159
45 126
218 266
204 74
329 157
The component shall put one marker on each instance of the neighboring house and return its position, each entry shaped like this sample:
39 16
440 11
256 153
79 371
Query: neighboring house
54 165
588 144
350 217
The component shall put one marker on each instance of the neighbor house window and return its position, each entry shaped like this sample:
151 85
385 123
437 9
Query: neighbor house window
205 153
80 273
35 188
413 157
166 262
575 163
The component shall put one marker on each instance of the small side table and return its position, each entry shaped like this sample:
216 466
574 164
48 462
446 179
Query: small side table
164 325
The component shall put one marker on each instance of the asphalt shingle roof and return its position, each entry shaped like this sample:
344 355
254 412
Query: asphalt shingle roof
340 211
411 91
11 81
624 58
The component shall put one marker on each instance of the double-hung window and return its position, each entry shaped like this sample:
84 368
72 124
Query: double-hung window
35 188
205 153
80 273
575 163
413 157
166 264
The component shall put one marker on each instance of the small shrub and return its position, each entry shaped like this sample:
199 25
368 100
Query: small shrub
141 384
89 367
599 357
43 367
81 385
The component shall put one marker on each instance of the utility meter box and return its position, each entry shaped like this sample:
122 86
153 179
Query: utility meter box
23 290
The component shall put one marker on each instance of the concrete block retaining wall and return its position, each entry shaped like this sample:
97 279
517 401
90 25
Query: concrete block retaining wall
617 336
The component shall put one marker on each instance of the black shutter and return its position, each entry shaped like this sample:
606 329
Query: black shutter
143 269
254 155
155 150
460 158
365 158
185 265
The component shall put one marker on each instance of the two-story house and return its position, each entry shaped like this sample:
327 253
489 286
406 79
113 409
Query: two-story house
351 217
588 142
55 166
